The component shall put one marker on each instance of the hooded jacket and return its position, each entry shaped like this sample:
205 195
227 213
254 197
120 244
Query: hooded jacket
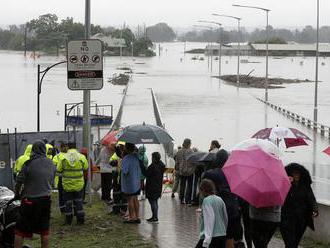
37 174
22 159
72 168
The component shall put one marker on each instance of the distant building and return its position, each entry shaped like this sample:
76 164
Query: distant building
291 49
230 49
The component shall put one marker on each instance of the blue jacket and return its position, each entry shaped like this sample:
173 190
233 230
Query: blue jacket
130 174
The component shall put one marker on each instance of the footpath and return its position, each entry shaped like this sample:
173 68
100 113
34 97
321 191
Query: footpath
178 224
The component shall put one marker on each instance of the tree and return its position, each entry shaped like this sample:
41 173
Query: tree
161 32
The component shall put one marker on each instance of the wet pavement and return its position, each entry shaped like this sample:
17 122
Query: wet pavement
178 224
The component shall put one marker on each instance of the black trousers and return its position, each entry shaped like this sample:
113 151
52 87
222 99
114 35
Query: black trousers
262 232
186 187
292 230
217 242
106 186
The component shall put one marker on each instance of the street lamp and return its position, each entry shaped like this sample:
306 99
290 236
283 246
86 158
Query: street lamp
39 84
267 41
220 46
317 62
208 28
239 43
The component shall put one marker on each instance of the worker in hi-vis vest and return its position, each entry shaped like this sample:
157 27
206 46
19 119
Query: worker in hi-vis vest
72 168
58 178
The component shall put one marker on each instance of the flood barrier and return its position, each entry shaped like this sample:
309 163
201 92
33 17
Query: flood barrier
323 130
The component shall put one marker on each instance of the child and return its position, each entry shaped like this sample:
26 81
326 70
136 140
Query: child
213 222
154 184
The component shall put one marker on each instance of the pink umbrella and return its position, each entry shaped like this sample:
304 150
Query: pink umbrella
257 177
110 138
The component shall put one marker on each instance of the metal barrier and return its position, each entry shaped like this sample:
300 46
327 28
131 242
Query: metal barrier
318 127
116 124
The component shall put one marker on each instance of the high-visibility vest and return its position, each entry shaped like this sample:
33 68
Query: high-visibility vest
56 159
72 168
22 159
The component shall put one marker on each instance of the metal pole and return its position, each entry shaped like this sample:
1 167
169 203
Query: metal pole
267 41
239 51
317 62
211 49
87 100
219 53
25 39
38 100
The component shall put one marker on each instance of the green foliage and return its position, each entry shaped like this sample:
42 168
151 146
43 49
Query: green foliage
161 32
273 40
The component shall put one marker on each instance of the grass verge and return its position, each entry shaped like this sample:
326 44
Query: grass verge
101 230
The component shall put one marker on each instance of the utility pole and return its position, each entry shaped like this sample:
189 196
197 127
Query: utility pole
317 63
87 100
25 39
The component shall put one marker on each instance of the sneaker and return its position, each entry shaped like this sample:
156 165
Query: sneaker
172 196
154 220
150 219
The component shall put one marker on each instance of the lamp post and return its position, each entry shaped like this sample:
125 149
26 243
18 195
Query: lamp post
39 84
267 41
208 28
220 46
239 42
317 62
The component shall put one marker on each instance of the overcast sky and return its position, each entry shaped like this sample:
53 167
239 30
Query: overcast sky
177 13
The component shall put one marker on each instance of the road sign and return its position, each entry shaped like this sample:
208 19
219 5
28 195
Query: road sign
85 64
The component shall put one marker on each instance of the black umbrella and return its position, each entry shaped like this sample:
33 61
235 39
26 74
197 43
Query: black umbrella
208 157
144 134
195 156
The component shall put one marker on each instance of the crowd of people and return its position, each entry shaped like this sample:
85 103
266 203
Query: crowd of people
127 177
227 218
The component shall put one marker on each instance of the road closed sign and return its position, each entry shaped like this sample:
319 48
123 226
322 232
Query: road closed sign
85 64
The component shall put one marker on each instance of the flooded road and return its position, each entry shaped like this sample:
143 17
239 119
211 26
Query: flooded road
192 103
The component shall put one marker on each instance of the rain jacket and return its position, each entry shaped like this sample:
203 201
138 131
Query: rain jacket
22 159
72 168
56 160
143 159
49 152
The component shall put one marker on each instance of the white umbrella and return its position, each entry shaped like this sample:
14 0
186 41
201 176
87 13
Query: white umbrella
265 145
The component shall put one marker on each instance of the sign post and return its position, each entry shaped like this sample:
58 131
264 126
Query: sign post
85 72
85 65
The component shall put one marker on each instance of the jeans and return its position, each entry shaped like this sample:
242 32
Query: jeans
154 208
74 205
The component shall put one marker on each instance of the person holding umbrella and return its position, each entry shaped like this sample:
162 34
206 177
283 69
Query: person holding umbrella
299 207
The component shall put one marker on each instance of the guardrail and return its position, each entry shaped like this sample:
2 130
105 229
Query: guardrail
157 114
116 124
318 127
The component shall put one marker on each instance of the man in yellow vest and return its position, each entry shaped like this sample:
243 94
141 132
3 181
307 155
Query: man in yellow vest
72 168
56 160
22 159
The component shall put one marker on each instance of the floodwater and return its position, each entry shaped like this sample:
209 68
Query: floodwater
192 103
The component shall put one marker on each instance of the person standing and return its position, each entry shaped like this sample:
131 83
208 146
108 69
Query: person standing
176 175
57 158
213 223
217 176
106 171
22 159
72 168
130 182
300 206
143 162
33 187
186 172
154 184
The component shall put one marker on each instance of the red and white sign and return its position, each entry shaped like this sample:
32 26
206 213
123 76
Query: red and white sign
85 64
